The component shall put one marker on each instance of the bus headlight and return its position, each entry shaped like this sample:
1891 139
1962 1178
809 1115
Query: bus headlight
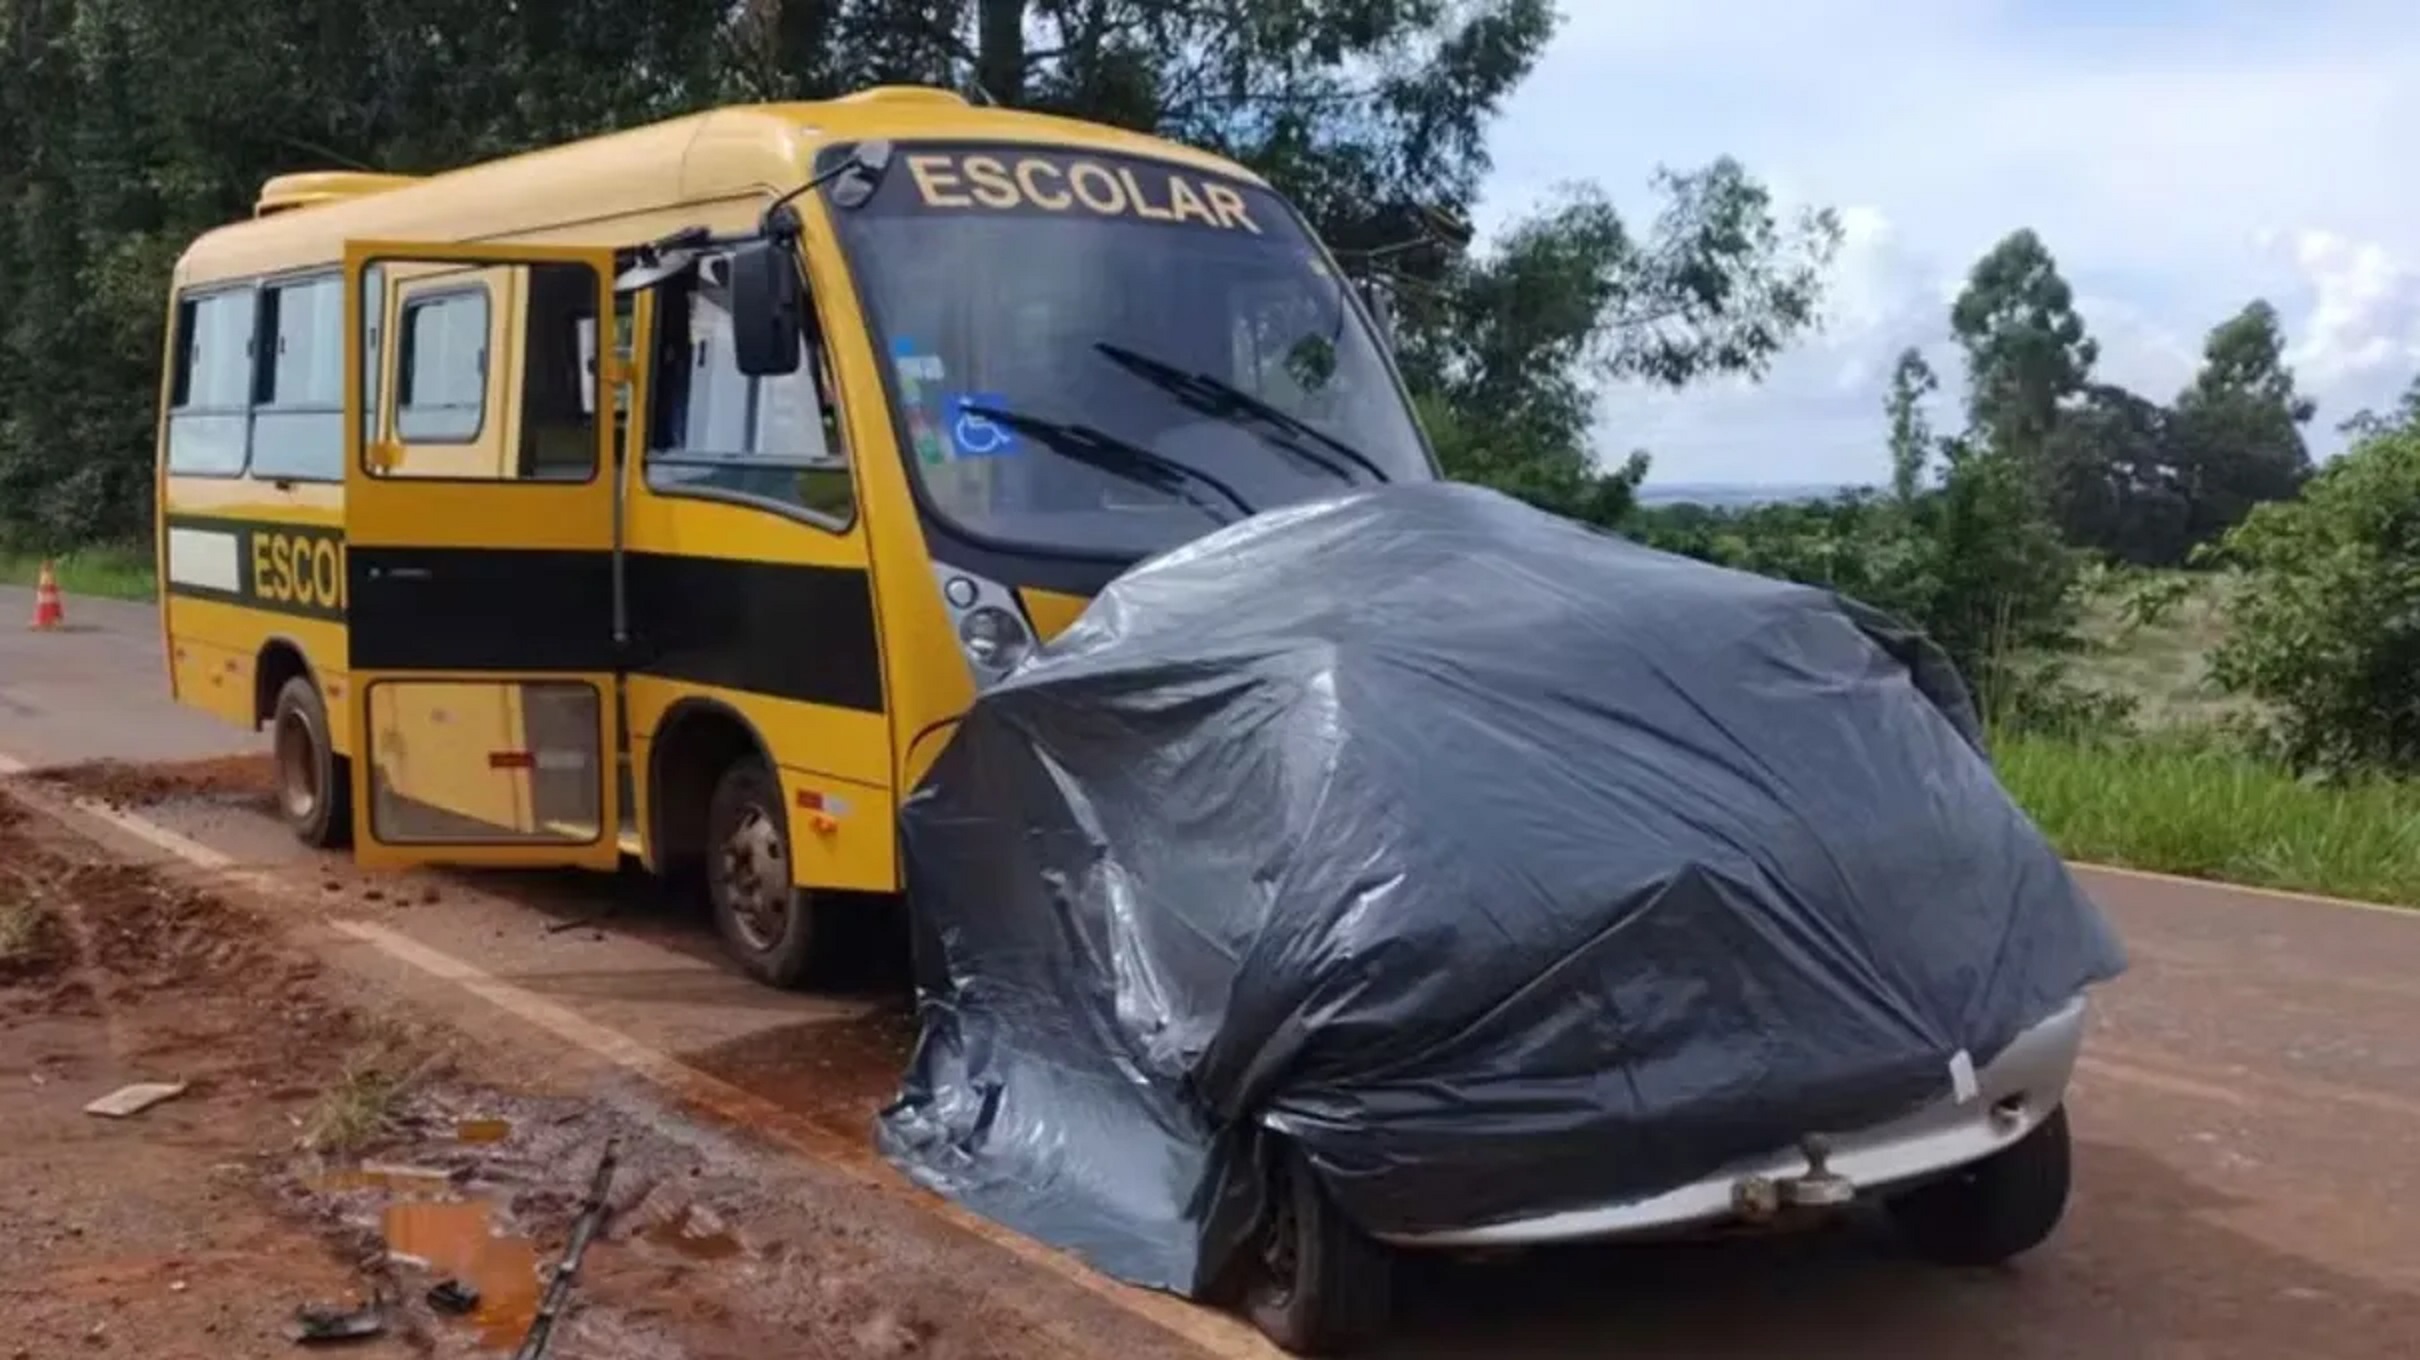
992 631
995 639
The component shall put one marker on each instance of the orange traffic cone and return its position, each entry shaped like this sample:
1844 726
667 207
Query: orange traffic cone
49 613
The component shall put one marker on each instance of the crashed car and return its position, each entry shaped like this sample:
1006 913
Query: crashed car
1416 870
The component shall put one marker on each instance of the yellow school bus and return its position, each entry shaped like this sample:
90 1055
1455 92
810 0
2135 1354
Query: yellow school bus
669 494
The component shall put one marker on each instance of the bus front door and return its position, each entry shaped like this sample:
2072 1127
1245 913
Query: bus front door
481 533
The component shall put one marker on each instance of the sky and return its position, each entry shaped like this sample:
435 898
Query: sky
2179 158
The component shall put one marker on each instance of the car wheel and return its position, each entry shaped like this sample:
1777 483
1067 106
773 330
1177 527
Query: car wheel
767 924
1318 1285
1985 1213
314 784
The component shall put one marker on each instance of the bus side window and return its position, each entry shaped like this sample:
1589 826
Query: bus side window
210 393
298 429
716 431
441 395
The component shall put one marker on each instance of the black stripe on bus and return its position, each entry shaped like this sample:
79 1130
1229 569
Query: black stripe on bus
480 609
778 629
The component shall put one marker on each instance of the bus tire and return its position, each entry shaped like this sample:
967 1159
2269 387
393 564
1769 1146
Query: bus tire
768 924
314 784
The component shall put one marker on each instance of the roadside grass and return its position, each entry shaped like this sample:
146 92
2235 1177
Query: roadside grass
2148 635
117 572
2193 804
359 1109
20 926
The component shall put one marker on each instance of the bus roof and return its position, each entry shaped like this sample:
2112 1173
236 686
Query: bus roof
304 219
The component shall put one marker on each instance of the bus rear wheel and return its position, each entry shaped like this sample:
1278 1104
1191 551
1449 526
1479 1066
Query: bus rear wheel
768 924
314 784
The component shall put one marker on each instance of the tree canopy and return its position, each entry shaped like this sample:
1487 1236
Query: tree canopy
127 127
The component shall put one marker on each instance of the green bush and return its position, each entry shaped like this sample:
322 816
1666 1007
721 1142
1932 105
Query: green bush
1975 563
2325 621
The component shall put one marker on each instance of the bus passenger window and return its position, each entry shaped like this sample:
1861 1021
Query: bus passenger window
718 431
443 386
298 430
211 393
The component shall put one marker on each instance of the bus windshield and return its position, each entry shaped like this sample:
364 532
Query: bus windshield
1109 356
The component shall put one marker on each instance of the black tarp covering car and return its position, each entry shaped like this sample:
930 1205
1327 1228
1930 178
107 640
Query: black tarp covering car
1501 865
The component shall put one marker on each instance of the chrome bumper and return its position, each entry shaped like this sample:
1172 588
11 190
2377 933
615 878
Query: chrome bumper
2010 1096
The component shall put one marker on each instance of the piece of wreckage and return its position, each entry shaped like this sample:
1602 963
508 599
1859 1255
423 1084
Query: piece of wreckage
1415 869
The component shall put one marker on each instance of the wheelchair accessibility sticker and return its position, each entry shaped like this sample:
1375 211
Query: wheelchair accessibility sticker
973 435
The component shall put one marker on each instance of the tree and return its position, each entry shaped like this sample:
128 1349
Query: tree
2238 427
2026 349
2117 488
129 126
1512 344
1912 381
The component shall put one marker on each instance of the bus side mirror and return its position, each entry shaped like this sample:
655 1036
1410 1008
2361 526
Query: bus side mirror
768 308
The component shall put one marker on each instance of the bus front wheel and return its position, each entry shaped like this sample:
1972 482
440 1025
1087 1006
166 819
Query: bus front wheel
767 922
314 784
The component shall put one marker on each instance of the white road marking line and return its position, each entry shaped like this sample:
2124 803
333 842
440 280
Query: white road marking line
144 829
1214 1332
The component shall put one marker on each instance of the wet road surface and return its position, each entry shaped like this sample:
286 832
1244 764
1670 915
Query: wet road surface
2247 1115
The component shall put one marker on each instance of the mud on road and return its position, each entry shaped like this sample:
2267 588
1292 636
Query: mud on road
325 1152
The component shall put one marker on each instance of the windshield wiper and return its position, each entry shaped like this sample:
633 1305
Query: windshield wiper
1224 399
1118 458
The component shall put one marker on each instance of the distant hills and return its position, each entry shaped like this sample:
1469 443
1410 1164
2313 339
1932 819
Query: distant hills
1736 495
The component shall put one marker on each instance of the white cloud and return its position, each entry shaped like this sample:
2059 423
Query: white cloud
2364 319
2179 159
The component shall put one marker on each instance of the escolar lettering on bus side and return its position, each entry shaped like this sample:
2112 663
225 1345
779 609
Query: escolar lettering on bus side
301 570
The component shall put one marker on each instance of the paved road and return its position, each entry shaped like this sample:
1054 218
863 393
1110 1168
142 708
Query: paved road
2248 1113
97 690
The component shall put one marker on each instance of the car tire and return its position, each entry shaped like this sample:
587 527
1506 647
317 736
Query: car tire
1997 1208
314 784
1317 1285
768 925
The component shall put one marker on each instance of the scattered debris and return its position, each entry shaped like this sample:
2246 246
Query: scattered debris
391 1172
317 1323
133 1100
483 1130
558 1289
453 1296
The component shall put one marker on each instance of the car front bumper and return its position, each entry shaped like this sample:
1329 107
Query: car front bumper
2010 1096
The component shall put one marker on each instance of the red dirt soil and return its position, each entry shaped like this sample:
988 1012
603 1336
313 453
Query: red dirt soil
197 1227
249 779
